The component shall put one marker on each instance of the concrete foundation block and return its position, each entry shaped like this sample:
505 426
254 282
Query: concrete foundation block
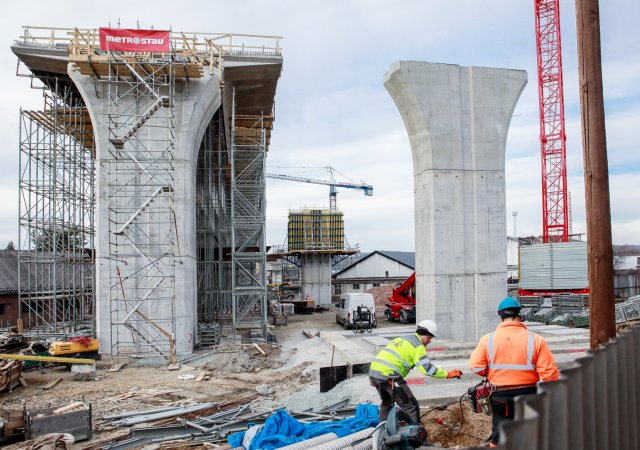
83 372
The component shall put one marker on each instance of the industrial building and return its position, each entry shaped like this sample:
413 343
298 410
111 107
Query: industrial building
373 269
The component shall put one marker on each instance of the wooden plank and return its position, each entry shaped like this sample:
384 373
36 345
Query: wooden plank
51 384
258 347
72 406
116 367
201 376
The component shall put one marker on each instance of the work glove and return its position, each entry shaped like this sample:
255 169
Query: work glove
455 373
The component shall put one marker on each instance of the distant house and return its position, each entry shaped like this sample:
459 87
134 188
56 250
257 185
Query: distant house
8 288
58 292
376 268
626 280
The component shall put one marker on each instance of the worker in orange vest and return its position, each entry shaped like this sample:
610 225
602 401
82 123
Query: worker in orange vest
513 359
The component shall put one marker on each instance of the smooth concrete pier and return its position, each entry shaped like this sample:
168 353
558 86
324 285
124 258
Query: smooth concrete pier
316 278
457 120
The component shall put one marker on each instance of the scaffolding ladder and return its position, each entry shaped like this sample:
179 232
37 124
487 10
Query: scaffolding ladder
142 224
248 202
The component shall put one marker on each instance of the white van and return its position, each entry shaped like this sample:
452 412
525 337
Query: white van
347 309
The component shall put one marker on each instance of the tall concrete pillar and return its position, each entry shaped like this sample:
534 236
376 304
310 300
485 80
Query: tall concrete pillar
457 119
174 309
316 278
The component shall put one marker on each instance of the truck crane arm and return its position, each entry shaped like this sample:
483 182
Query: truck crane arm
402 303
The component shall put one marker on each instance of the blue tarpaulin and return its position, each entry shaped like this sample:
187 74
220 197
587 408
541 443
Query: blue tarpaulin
280 429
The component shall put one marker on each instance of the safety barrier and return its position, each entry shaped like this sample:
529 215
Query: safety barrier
594 406
87 40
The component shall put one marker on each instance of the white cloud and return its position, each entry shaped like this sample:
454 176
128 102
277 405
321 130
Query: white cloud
331 106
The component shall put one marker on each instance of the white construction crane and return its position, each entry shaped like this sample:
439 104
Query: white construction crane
332 183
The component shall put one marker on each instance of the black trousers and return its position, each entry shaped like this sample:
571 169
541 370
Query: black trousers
399 394
503 409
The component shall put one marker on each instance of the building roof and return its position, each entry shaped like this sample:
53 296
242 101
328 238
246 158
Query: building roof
8 271
38 274
407 259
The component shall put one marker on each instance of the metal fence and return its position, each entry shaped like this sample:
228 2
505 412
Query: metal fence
594 406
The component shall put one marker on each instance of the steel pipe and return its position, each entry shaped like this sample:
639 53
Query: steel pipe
311 442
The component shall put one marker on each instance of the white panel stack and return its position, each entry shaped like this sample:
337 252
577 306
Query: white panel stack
561 265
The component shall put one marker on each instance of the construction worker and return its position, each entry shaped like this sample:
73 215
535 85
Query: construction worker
513 359
394 362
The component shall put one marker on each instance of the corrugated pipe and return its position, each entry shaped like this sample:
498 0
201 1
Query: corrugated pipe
342 443
311 442
365 445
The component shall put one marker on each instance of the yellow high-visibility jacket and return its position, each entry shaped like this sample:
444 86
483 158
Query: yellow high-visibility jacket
403 354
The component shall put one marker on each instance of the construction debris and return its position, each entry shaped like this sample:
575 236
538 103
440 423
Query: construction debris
10 373
308 334
51 384
74 419
52 441
116 367
258 347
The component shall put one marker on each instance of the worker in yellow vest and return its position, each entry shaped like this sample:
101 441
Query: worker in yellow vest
392 364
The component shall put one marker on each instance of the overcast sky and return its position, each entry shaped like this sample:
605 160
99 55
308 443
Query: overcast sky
332 108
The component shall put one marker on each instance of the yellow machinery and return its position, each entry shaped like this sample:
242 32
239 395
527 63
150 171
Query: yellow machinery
79 347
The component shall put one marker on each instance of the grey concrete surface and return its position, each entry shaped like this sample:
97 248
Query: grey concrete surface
457 120
194 107
316 278
452 354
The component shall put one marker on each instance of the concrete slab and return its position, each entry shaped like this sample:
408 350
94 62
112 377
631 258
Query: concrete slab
348 349
374 343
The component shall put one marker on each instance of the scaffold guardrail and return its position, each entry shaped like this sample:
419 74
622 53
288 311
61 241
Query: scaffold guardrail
195 44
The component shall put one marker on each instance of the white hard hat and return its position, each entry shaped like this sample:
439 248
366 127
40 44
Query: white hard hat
430 326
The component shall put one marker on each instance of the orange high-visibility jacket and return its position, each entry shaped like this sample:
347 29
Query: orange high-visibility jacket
513 356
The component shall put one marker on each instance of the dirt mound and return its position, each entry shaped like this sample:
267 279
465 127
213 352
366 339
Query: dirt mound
457 429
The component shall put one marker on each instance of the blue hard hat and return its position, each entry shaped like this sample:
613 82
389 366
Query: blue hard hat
508 302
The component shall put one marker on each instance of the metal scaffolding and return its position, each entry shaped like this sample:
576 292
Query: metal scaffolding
248 202
213 234
56 215
142 222
138 237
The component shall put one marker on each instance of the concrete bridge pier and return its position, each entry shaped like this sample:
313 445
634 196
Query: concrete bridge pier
457 120
164 289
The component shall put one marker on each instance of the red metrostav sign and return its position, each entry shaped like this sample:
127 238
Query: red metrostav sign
128 40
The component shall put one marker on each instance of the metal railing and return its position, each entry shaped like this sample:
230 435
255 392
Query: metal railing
195 44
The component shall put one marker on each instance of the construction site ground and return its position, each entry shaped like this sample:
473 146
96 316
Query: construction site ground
283 374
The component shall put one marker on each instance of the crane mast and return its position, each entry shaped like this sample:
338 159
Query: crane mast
552 126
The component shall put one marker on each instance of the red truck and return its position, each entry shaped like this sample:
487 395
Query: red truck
402 302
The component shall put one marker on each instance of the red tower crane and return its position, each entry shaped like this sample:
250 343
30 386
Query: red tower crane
555 218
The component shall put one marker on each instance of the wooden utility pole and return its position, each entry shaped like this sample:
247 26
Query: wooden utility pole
596 174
